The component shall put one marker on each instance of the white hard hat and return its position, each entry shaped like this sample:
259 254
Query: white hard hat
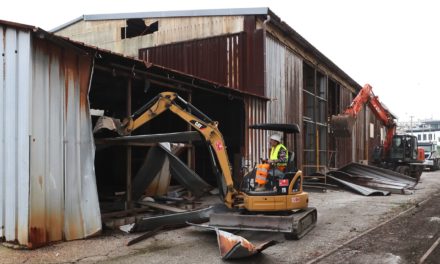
276 137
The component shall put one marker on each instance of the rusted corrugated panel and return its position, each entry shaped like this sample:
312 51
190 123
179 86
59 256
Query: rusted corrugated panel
46 150
81 208
14 133
360 134
378 137
217 59
63 194
257 143
284 79
344 146
276 81
256 78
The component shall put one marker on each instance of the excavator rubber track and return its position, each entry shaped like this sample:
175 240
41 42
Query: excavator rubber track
294 225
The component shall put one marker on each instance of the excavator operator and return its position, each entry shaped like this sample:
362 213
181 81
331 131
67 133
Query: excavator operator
275 165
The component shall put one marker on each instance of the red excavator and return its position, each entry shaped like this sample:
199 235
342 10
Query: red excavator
398 152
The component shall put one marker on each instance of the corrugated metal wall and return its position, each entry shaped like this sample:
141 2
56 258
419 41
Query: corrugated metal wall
63 193
344 146
15 93
360 133
48 187
257 139
284 80
217 59
376 140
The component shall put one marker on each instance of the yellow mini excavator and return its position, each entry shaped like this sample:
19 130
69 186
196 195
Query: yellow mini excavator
282 208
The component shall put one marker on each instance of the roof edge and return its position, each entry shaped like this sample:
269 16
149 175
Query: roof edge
71 22
276 20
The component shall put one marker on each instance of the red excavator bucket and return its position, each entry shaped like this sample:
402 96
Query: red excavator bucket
342 125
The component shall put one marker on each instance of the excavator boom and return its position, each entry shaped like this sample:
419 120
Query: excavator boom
199 121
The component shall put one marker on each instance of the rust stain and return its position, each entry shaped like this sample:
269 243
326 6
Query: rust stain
37 237
40 181
84 73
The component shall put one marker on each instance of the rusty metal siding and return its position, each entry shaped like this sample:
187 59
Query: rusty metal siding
344 146
217 59
256 84
376 140
47 183
256 139
63 193
284 74
82 214
359 135
276 80
14 133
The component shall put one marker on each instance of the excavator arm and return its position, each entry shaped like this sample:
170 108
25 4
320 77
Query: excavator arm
206 127
384 115
343 123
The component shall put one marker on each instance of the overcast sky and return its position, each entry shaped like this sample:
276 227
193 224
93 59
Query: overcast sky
393 45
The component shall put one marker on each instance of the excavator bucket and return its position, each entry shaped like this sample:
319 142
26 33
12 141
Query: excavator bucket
105 122
342 125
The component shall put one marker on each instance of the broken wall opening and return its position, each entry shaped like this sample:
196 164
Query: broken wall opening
119 94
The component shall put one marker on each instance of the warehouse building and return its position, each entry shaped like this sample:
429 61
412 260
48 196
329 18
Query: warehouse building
238 66
50 187
281 76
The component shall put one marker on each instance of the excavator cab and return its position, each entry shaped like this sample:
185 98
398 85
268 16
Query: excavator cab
278 184
404 148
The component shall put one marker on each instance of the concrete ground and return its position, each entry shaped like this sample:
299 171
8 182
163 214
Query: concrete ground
342 215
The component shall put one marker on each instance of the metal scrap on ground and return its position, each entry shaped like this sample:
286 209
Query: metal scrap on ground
358 188
232 246
175 219
370 180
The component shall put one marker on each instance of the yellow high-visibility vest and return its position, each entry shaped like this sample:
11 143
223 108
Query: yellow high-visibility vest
274 156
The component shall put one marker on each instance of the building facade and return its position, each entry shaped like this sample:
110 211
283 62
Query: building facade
255 53
427 131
